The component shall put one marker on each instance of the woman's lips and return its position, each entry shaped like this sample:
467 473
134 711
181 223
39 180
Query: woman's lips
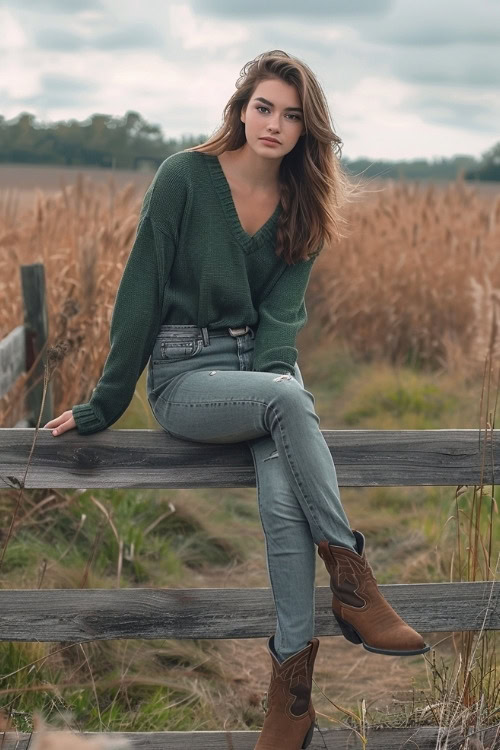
271 143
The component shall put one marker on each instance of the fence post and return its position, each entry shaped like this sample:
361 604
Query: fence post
36 329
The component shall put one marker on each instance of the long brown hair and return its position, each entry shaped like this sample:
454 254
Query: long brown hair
313 184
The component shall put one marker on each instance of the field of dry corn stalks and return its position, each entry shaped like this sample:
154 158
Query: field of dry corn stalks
415 280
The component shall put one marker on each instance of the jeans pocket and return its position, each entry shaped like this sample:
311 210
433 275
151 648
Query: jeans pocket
175 349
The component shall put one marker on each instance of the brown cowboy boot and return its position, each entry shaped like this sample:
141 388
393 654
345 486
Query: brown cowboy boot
290 715
360 609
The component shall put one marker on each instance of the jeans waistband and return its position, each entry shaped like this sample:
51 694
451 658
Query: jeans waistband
234 332
205 332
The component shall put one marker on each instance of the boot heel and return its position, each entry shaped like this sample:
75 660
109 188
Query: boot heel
347 630
308 737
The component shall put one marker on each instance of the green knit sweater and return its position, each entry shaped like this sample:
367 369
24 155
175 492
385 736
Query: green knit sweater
193 263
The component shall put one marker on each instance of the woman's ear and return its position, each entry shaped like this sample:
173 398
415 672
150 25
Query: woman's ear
243 113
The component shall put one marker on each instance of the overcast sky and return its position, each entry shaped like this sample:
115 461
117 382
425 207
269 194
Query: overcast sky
403 78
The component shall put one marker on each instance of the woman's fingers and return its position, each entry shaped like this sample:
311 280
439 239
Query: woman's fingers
62 423
54 422
63 426
57 420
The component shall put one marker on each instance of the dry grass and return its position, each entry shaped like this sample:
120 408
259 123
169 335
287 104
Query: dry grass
416 281
82 236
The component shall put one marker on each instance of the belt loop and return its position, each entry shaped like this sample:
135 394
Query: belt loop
205 336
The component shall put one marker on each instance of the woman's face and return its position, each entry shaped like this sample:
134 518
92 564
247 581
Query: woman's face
279 116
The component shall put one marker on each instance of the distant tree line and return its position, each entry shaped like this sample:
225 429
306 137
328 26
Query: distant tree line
129 142
486 168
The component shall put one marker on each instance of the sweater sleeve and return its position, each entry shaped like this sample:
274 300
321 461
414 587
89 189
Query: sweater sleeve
138 306
282 314
134 326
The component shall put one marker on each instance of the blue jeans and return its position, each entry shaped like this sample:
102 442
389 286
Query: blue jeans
201 388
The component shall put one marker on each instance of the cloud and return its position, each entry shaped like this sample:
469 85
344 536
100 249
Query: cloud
58 89
435 36
131 37
474 111
284 8
13 36
59 6
58 39
140 36
381 118
203 33
464 65
436 24
450 42
65 83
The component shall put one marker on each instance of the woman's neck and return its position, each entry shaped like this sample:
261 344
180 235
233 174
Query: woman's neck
251 170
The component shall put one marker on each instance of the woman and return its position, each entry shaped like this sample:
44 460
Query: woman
212 298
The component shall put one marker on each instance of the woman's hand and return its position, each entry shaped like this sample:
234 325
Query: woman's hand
62 423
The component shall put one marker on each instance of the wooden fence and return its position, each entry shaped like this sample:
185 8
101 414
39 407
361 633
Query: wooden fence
150 458
23 347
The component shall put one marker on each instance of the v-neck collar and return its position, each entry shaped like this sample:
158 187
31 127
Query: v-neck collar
249 242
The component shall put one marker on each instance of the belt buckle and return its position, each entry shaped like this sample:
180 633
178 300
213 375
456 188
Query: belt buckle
238 331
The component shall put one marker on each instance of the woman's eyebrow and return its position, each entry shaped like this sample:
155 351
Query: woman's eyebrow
270 104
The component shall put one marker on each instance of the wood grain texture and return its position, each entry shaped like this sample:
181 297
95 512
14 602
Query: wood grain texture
36 325
151 458
97 614
414 738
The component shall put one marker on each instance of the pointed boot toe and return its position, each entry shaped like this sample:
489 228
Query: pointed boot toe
363 614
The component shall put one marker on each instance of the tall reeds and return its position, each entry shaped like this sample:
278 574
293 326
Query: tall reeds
82 236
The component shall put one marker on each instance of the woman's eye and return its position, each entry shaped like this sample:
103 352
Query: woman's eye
291 115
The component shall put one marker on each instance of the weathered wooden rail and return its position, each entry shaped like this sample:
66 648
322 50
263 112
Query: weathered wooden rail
150 458
412 738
